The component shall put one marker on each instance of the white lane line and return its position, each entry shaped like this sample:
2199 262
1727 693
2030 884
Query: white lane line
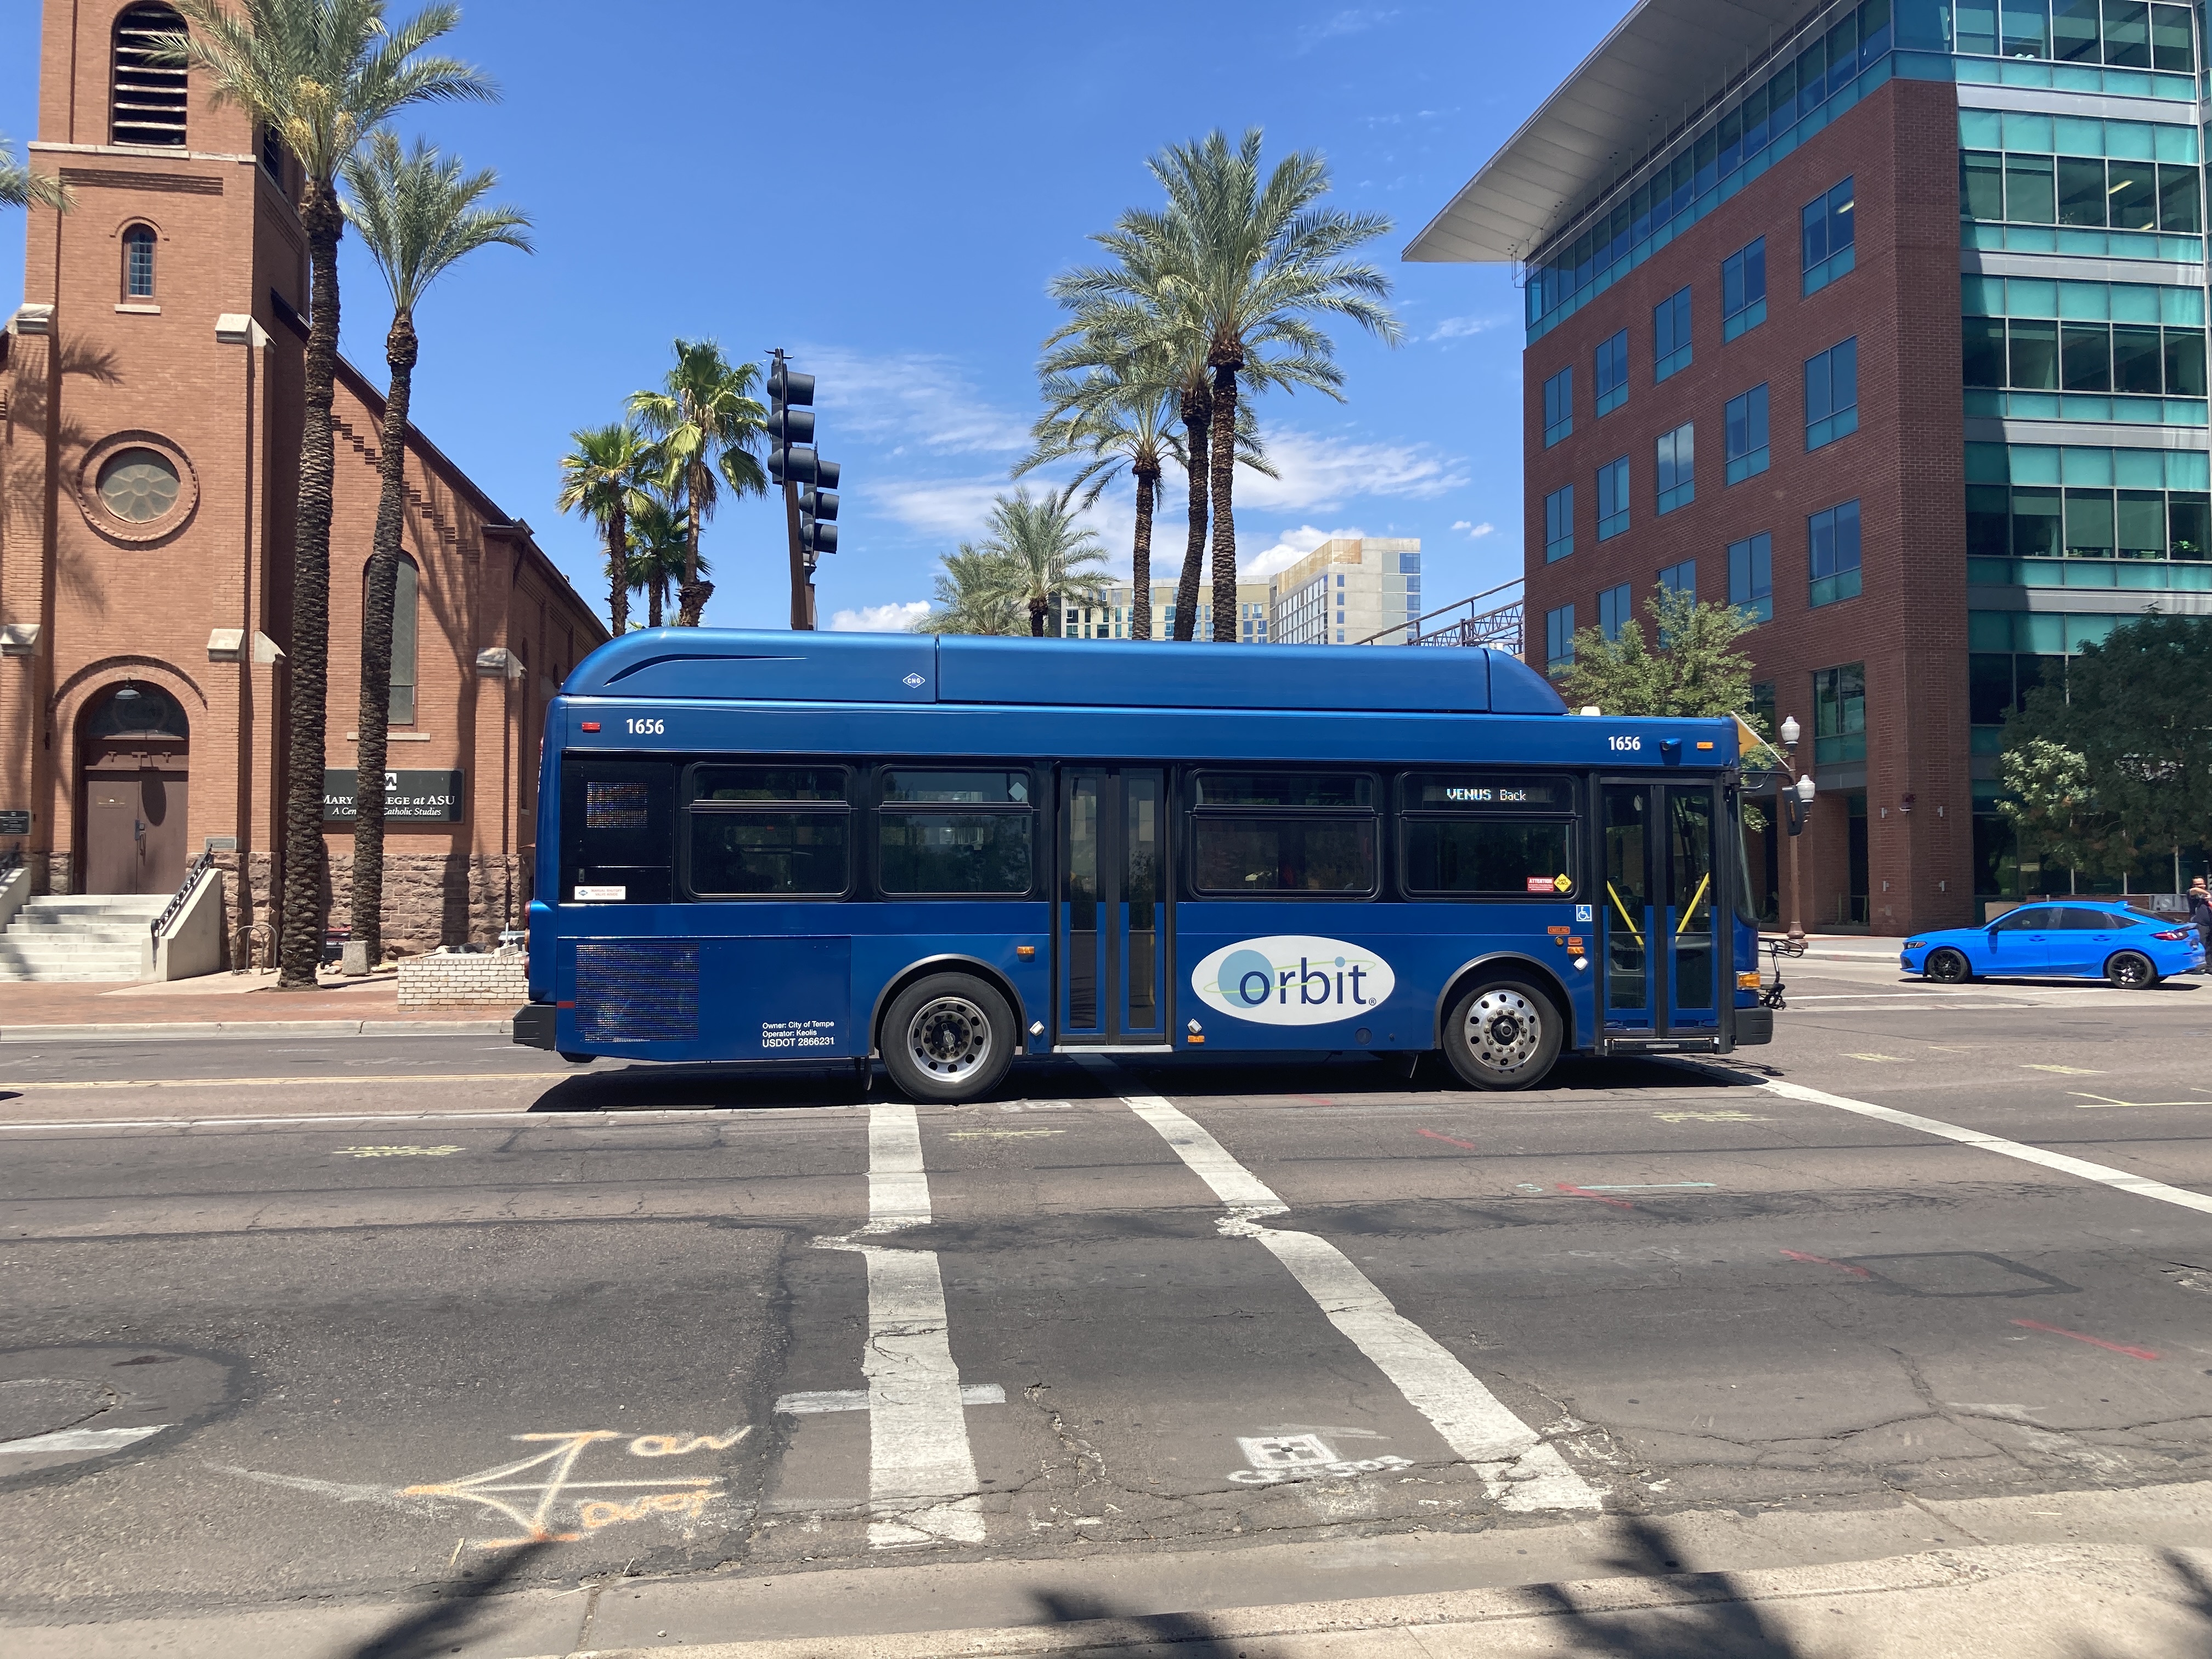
922 1474
1517 1467
512 1115
856 1400
77 1440
546 1077
2139 1185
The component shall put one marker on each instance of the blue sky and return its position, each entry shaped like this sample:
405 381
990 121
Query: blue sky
884 190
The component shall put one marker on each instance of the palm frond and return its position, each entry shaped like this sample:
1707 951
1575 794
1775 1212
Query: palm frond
20 187
417 214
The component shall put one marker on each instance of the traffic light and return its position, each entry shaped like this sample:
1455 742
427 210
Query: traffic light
818 509
790 425
807 480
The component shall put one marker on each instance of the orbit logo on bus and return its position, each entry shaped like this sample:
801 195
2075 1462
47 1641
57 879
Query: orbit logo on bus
1292 979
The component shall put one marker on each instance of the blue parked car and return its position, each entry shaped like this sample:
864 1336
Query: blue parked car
2080 938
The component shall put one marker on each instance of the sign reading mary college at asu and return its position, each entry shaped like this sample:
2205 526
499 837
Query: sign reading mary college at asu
1292 979
416 797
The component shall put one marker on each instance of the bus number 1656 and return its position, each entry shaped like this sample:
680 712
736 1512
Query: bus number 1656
1618 743
660 728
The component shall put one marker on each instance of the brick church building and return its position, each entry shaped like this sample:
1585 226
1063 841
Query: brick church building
150 390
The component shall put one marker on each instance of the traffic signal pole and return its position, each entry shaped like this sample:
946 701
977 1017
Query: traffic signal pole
802 578
808 518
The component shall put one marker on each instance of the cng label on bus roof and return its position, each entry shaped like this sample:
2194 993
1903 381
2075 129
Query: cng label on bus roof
1292 979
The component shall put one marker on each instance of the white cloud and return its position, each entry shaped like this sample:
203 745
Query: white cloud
1460 328
955 510
924 400
893 618
1356 20
1325 472
1474 530
1294 545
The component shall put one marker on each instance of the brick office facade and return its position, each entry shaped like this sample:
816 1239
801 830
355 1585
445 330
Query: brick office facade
2014 485
150 390
1903 465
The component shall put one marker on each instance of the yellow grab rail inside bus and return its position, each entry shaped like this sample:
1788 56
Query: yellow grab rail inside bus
1696 898
1628 920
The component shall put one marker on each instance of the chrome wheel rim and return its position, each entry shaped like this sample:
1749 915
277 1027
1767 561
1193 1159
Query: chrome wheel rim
948 1039
1504 1030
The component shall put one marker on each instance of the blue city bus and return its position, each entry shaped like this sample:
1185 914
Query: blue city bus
954 852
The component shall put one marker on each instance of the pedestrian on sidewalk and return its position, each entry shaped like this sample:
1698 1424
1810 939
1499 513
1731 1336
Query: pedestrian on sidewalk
2200 914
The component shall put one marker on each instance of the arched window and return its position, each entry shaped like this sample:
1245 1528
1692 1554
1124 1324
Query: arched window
148 99
138 262
135 708
406 592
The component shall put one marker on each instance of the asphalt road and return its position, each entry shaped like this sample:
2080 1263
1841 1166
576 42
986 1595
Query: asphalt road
392 1321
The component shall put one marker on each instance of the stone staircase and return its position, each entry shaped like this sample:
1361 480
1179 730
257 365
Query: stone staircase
81 936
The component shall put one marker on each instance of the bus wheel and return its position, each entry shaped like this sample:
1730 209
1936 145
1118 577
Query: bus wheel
1504 1034
947 1036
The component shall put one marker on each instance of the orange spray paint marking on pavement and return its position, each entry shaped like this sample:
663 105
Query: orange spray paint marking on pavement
1433 1135
1584 1192
1845 1267
2093 1341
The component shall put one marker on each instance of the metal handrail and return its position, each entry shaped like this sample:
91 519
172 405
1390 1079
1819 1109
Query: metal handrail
201 865
1398 628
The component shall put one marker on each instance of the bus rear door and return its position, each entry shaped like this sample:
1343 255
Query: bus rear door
1111 909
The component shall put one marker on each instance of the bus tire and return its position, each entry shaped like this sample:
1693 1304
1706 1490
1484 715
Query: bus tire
1504 1034
947 1037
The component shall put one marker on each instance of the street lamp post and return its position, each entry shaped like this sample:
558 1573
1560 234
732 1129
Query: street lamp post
1795 813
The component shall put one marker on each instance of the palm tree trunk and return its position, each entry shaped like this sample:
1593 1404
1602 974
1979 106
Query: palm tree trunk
299 938
1196 413
618 571
1039 603
1225 507
400 349
1140 556
691 597
656 596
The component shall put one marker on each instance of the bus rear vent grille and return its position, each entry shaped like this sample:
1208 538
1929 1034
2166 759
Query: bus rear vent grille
640 992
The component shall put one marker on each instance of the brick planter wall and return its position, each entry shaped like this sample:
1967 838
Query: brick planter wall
498 979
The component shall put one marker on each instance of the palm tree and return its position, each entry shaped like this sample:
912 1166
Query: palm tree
606 476
20 187
973 596
418 216
659 543
1041 554
321 75
708 422
1247 261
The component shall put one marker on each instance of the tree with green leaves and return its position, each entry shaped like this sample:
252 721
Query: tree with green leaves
419 215
321 75
1697 670
1041 556
659 547
974 595
20 187
711 428
2135 709
1246 262
608 474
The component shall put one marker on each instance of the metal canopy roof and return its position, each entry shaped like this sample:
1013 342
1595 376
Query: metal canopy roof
1660 65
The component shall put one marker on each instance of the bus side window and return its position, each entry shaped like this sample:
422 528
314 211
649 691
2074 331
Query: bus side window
966 832
1268 834
1488 834
769 832
617 841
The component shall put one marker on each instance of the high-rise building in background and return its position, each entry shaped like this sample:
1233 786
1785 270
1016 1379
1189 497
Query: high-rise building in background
1344 592
1887 322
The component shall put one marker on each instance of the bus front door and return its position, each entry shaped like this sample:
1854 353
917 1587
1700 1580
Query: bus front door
1663 943
1110 930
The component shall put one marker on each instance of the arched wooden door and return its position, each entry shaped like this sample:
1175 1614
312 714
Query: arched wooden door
134 776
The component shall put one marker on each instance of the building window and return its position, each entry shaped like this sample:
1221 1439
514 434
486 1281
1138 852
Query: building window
1832 540
138 262
1679 578
1743 290
1831 394
1829 239
2024 340
1558 406
1840 714
1746 435
2037 501
1612 373
1678 481
1559 638
405 595
1751 576
1559 524
1616 609
138 485
1612 499
2105 184
1670 334
148 104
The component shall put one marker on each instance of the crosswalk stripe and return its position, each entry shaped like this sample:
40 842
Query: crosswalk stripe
1519 1468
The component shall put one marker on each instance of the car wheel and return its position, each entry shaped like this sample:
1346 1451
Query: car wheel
947 1037
1948 966
1504 1034
574 1059
2131 971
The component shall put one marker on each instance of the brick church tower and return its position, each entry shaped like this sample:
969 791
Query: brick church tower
150 390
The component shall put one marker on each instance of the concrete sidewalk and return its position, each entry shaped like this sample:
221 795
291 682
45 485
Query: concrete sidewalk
227 1005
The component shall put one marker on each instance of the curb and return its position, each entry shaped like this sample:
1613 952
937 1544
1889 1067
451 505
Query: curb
250 1028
